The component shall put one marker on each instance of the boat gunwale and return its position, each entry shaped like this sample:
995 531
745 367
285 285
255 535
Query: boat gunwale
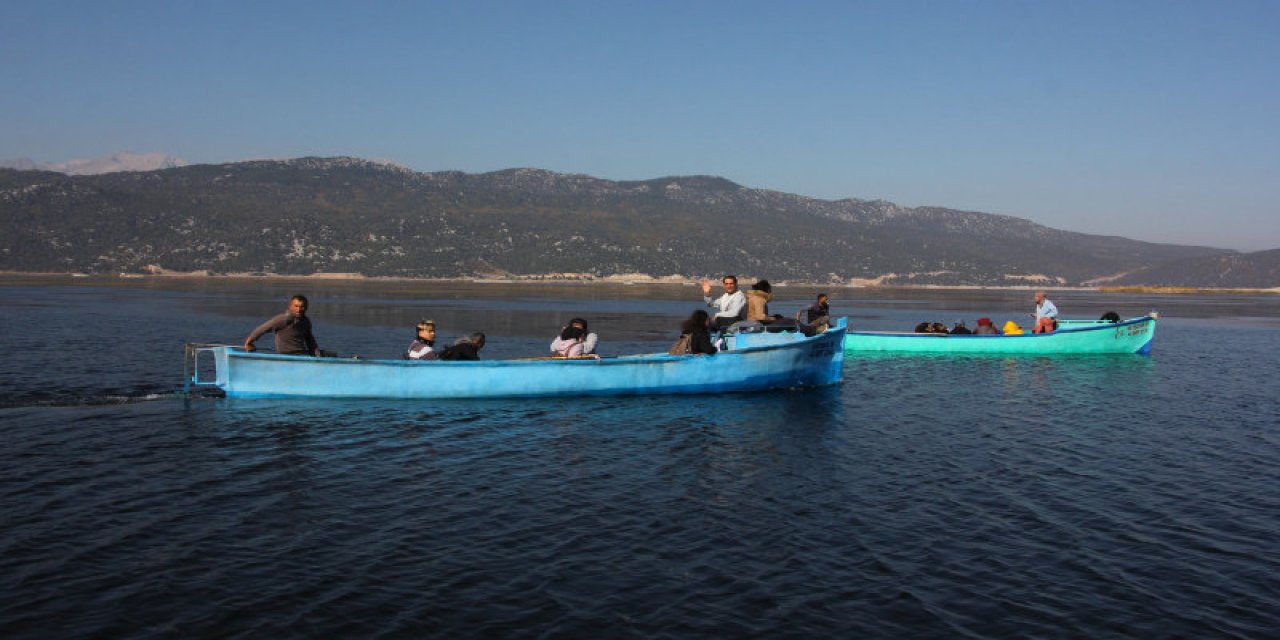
629 359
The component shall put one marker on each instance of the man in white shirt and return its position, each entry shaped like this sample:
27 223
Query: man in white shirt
730 307
1046 314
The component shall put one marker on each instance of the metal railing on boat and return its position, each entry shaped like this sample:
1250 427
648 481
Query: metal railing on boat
191 367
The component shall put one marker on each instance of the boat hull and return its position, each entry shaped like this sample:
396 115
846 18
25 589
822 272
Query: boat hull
810 362
1073 337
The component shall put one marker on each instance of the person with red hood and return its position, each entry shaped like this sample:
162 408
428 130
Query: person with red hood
985 328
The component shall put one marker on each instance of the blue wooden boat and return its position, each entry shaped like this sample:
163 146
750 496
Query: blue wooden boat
778 363
1072 337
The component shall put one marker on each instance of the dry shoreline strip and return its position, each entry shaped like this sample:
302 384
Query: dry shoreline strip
585 280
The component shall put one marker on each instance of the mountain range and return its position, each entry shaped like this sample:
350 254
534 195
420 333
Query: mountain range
123 161
349 215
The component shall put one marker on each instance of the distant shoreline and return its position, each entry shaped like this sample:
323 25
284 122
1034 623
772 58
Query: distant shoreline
626 280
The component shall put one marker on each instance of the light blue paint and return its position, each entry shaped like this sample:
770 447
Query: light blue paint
790 361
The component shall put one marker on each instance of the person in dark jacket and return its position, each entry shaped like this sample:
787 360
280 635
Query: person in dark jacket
820 324
466 348
696 327
818 309
292 329
960 329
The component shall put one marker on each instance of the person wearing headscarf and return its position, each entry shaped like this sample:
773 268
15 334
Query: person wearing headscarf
985 328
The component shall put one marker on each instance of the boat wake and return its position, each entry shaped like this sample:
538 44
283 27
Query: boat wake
73 399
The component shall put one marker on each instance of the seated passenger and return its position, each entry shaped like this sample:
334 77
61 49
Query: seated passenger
730 307
938 328
924 327
985 328
422 346
695 335
589 339
466 348
818 309
571 342
758 301
1110 316
960 329
813 327
1011 328
1046 314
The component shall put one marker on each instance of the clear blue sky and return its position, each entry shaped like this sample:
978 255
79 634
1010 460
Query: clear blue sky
1157 121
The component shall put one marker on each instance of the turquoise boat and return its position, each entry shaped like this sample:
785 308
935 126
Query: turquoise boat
1072 337
775 363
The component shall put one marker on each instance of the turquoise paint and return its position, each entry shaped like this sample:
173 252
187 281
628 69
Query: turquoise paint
1132 336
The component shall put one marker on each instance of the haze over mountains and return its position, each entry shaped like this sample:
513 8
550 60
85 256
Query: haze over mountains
123 161
350 215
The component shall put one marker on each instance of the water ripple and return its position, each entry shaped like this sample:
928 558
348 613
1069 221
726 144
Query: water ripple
971 497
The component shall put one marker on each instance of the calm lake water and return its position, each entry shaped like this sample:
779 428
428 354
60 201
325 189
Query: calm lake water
1085 497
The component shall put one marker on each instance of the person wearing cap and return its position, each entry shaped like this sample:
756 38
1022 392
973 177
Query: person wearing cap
985 328
423 346
1046 314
